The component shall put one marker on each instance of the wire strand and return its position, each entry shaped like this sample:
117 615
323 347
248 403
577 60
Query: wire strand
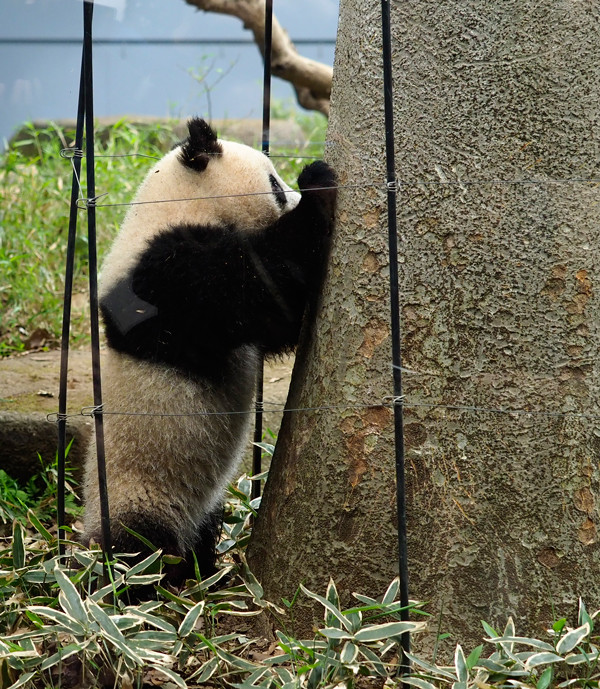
387 402
400 185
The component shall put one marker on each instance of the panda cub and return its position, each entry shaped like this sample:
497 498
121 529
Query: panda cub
211 269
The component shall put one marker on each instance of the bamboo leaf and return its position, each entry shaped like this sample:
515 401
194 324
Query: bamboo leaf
189 621
18 546
573 638
335 633
545 678
206 671
140 567
538 659
143 579
392 592
373 658
418 682
371 602
349 653
523 640
233 660
252 679
69 598
354 619
62 654
117 582
23 680
155 639
58 617
460 664
474 657
284 675
490 631
332 609
112 633
509 630
39 527
583 616
435 670
173 676
377 632
332 596
582 658
153 620
214 579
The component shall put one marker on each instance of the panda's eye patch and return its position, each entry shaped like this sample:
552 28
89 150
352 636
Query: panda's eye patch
278 191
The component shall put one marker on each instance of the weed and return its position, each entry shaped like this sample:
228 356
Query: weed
35 183
38 494
62 625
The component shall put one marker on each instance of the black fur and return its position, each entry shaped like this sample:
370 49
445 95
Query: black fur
280 195
200 145
148 525
199 292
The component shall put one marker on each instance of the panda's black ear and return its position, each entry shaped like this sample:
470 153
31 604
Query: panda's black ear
200 146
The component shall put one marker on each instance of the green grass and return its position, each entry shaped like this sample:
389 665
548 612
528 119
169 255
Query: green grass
35 184
62 625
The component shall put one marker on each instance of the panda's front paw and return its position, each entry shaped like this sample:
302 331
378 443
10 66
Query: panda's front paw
318 184
317 175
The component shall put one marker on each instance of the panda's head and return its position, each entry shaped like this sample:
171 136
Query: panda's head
222 182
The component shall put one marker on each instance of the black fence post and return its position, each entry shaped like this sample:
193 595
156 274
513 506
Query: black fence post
88 9
66 320
266 125
392 189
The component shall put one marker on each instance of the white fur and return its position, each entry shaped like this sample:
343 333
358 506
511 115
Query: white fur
154 461
177 466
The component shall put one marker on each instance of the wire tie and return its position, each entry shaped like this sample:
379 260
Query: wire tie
90 203
393 400
71 153
55 417
92 411
392 186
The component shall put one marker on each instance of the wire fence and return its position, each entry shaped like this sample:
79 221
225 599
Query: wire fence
83 202
393 187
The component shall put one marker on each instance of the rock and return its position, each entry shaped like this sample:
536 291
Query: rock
26 437
28 393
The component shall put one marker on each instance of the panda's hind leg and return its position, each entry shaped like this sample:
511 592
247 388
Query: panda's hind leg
203 552
207 537
153 530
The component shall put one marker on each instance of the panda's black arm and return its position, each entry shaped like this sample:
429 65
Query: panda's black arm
287 258
197 292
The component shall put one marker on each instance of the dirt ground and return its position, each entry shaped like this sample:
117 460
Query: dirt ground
29 383
29 392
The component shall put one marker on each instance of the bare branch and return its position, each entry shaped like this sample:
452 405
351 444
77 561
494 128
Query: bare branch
310 79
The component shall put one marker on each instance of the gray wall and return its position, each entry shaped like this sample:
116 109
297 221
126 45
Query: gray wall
40 80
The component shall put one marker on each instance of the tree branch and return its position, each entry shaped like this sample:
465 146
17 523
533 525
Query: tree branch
310 79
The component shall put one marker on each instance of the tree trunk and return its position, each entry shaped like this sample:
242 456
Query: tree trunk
496 103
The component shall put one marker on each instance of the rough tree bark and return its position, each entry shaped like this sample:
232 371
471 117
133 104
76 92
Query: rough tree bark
311 80
500 311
